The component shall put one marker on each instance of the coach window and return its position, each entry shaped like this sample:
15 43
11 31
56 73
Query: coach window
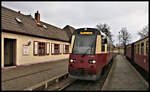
142 48
138 49
130 50
103 47
135 49
147 47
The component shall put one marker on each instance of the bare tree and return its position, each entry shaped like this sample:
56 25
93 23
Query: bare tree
105 29
144 32
124 37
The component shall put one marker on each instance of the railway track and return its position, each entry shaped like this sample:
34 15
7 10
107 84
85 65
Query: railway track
64 83
85 85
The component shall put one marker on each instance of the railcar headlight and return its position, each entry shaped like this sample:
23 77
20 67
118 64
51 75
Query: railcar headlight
72 60
92 61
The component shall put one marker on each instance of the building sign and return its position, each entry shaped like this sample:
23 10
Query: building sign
25 49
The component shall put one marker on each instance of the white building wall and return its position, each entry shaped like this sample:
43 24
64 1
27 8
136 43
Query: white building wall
22 59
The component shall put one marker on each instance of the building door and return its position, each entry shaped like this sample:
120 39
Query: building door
9 52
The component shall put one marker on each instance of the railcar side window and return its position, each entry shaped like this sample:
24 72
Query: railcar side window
103 45
108 47
142 48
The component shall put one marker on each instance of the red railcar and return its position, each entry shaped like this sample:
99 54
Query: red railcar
90 53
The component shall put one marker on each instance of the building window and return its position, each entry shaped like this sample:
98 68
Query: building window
66 49
42 48
55 49
138 49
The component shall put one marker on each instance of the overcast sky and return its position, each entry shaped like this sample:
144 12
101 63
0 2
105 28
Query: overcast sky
133 15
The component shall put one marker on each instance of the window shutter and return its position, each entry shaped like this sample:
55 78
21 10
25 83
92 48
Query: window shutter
47 48
68 49
64 49
52 48
60 48
35 48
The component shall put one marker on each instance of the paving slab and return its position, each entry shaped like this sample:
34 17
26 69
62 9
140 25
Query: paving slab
124 77
20 78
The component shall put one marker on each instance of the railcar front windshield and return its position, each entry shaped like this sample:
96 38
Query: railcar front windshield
84 44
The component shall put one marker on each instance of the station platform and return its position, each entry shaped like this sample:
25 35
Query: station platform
124 77
22 77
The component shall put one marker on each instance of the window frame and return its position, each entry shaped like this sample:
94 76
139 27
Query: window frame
65 50
42 47
53 48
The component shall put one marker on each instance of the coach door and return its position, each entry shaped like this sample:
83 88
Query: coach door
9 52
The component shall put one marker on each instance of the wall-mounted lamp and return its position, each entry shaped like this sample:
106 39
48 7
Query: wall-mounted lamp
29 42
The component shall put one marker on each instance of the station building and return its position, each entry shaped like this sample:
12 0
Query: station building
26 40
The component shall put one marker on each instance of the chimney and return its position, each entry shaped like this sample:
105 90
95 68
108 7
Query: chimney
37 17
19 12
